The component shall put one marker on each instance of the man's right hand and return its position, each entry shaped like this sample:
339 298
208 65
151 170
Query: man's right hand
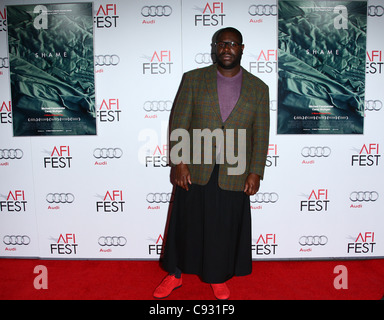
183 176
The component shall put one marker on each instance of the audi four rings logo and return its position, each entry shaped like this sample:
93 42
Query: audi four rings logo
112 241
263 10
60 198
11 153
156 11
313 240
159 197
162 105
107 60
273 105
109 153
375 11
373 105
4 63
364 196
316 152
203 58
16 240
266 197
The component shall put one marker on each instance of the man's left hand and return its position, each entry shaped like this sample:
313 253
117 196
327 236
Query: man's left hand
252 184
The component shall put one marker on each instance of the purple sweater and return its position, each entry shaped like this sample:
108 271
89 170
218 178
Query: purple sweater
228 90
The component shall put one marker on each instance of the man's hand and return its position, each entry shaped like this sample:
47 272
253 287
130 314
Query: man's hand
252 184
182 176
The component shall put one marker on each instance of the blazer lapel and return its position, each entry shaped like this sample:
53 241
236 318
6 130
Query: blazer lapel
211 82
244 95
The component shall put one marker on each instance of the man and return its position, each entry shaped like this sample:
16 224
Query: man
209 231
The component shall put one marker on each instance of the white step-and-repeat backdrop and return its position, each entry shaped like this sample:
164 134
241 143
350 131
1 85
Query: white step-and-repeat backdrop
107 196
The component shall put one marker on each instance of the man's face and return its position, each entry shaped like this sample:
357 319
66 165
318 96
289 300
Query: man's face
228 57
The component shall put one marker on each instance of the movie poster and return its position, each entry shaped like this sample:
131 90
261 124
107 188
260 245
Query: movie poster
321 66
51 64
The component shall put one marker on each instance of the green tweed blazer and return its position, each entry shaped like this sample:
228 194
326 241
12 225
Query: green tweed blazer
197 107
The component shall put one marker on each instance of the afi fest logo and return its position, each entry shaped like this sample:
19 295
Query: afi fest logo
156 248
5 112
3 20
109 110
272 156
160 63
368 156
60 158
154 152
317 201
264 62
65 245
112 202
15 202
157 158
106 16
212 15
265 244
362 244
375 62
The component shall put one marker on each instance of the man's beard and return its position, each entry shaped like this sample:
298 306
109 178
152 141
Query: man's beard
234 63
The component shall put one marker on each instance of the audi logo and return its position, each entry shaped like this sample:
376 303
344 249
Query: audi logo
112 241
156 11
203 58
316 152
159 197
60 198
4 63
11 153
375 11
364 196
162 105
266 197
313 240
273 105
263 10
17 240
107 60
108 153
373 105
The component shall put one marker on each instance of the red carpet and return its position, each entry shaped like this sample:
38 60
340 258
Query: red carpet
136 280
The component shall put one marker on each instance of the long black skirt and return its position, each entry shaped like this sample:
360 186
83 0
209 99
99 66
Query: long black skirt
209 233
